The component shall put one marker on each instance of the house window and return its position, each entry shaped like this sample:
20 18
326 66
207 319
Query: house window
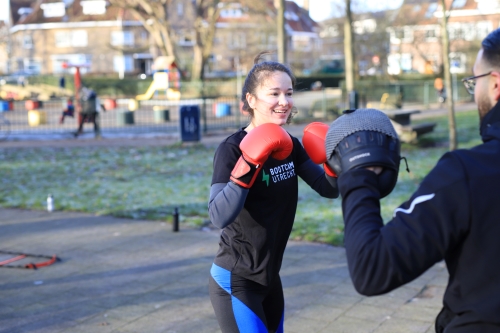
291 16
365 26
431 9
457 62
238 40
396 63
186 39
431 34
123 63
59 59
77 38
458 3
485 5
94 7
404 34
122 38
469 31
180 9
406 64
32 65
54 9
27 42
234 12
63 39
301 43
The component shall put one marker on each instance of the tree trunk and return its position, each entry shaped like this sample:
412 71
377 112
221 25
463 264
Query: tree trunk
348 50
447 78
205 34
281 32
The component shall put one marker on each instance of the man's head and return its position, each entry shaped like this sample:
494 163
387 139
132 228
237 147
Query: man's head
487 88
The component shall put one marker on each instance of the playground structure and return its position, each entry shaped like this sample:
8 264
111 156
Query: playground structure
166 78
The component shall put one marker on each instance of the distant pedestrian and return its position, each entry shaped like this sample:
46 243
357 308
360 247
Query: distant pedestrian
69 111
62 82
88 110
440 90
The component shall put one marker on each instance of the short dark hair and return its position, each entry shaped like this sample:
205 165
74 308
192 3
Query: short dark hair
260 71
491 48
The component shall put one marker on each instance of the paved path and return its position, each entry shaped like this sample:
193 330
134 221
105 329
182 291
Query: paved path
121 275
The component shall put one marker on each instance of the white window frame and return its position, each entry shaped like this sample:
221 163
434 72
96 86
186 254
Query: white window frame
238 40
186 39
79 38
123 63
53 9
76 38
407 35
27 42
122 38
94 7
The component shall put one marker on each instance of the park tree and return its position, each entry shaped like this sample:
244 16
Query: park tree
280 30
156 18
207 14
348 48
450 105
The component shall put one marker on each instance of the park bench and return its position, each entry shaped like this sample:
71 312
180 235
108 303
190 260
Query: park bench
407 132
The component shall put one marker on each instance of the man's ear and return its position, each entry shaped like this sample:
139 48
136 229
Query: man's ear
495 85
251 100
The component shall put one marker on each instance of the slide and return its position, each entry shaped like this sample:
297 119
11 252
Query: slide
149 93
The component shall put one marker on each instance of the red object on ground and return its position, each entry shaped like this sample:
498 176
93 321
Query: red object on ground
110 104
31 104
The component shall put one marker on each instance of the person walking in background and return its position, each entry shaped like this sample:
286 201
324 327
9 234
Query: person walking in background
69 111
253 199
88 111
440 90
453 216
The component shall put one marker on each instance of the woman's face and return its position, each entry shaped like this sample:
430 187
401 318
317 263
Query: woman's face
272 102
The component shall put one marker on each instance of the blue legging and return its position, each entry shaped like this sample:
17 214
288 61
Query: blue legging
244 306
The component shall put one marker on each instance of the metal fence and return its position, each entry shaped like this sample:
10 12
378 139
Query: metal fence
162 116
151 116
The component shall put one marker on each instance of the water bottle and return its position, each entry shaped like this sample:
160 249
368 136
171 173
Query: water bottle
50 203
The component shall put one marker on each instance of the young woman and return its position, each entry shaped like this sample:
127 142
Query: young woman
253 199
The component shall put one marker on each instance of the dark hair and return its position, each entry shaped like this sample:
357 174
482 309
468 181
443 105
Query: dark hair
491 48
259 72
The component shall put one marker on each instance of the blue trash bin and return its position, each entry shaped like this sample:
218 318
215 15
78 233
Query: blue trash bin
222 110
4 106
190 123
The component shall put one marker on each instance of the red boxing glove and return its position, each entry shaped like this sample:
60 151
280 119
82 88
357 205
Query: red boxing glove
256 147
314 144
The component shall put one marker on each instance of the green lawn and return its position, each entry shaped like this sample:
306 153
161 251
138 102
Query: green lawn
147 183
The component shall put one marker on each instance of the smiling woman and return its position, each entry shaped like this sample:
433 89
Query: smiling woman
253 198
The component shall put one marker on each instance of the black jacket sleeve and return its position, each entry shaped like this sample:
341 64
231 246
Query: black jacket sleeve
422 231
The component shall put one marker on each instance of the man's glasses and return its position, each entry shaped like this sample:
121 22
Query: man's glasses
470 82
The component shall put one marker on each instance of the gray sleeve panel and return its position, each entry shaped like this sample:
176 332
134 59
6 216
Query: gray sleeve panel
225 203
318 180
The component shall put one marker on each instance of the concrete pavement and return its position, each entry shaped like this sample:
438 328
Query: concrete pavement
121 275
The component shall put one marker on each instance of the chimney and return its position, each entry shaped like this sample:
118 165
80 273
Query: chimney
305 5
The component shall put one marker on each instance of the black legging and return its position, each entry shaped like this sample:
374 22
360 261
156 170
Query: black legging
244 306
90 117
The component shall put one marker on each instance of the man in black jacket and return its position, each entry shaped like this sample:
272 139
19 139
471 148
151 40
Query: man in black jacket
453 216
